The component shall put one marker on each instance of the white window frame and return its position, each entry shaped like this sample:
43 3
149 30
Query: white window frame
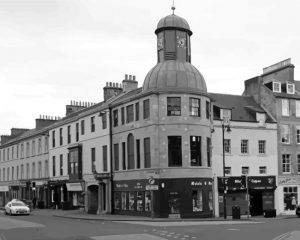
260 147
227 146
247 146
276 87
286 163
292 89
297 104
285 107
288 139
298 134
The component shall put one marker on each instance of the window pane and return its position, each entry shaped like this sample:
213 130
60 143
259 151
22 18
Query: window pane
173 106
174 150
195 145
285 107
285 133
197 198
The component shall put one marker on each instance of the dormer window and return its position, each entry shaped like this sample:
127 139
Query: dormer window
225 114
290 88
261 118
277 87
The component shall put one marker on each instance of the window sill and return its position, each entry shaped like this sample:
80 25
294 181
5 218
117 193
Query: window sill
286 173
244 154
262 155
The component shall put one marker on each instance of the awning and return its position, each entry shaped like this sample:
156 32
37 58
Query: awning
3 188
74 187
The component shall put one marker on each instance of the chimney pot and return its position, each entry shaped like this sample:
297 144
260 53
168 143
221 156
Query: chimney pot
126 76
129 77
133 78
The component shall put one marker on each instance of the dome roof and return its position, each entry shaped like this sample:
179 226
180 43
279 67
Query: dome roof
173 21
174 75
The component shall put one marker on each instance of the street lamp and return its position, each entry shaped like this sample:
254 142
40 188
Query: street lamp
225 126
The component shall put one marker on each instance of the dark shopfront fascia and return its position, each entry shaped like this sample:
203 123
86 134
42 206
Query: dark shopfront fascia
65 194
179 197
261 192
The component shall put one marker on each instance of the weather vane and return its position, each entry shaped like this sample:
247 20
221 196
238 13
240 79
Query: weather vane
173 7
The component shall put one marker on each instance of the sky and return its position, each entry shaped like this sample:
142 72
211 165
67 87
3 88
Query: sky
55 51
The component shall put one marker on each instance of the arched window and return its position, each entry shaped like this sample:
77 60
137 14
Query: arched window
130 151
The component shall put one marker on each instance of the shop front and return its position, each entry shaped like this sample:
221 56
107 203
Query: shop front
260 189
173 198
4 195
288 193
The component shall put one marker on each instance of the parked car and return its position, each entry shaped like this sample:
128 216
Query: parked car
16 207
298 210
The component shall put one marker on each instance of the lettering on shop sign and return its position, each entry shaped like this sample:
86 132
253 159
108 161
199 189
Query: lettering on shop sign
200 183
138 186
255 181
122 185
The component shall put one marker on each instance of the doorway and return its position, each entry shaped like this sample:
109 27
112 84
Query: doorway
256 203
93 199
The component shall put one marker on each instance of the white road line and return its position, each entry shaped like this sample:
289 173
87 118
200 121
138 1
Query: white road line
2 237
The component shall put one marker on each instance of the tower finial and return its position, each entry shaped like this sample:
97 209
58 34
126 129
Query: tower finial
173 7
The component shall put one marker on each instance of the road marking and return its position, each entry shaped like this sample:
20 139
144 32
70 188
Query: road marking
128 236
233 229
188 223
2 237
294 235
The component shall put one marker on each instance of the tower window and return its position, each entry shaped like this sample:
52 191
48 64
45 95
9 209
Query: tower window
174 149
174 106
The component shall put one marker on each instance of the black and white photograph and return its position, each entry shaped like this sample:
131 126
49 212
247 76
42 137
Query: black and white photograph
149 120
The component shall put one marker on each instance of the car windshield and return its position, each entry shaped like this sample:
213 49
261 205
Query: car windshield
17 204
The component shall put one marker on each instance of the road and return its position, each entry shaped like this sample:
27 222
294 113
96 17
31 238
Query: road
37 227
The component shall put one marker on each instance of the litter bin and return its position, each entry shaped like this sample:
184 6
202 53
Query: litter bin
236 212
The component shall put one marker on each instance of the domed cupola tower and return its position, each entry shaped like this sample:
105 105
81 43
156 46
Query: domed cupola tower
174 70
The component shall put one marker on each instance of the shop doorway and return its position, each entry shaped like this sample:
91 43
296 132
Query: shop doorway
174 204
93 199
256 203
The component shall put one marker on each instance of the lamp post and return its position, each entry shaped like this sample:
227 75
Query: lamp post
225 126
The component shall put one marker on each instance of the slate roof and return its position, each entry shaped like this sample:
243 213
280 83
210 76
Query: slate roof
243 108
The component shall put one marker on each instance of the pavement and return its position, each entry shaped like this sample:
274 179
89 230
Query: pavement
81 214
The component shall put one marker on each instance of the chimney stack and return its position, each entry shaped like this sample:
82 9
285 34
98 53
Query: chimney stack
129 84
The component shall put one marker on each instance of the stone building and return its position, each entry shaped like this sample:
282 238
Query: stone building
276 91
250 148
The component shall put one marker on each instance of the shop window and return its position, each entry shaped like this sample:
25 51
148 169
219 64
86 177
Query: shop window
197 198
261 146
285 107
139 201
117 204
290 198
148 203
195 107
195 145
286 163
210 200
173 106
131 201
285 133
124 201
129 113
174 151
174 203
227 146
244 146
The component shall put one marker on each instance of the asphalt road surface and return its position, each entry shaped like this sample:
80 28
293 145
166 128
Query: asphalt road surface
36 227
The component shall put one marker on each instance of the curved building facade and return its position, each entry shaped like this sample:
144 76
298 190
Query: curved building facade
161 134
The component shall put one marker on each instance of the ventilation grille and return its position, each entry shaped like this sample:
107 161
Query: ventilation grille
170 56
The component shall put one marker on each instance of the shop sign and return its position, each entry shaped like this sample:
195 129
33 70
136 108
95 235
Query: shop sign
130 185
290 180
201 183
101 176
266 182
151 187
74 187
231 183
3 188
40 183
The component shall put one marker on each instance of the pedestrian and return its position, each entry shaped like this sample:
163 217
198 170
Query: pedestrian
34 202
294 203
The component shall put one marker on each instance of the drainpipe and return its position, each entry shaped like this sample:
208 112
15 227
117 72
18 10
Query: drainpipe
111 162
